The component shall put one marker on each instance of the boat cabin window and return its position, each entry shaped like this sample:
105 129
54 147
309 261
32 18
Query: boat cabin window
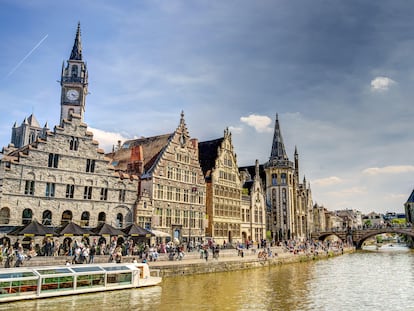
90 280
57 283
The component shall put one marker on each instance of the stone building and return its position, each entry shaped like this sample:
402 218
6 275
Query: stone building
319 218
63 175
27 132
289 201
254 214
409 208
224 189
171 192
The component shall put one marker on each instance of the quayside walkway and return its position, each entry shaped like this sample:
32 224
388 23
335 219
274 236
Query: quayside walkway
192 263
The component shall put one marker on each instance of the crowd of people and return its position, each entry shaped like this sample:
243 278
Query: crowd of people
83 250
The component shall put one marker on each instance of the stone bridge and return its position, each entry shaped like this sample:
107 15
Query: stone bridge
358 236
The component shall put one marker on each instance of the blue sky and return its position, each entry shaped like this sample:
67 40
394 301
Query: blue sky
340 75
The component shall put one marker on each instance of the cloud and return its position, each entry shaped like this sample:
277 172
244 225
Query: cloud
381 83
328 181
106 139
396 169
260 123
349 191
235 130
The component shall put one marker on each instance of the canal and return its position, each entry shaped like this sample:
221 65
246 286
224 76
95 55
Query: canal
365 280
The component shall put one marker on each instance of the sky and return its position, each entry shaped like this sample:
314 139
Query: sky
339 74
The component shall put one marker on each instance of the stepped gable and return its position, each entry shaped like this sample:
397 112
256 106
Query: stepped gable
207 155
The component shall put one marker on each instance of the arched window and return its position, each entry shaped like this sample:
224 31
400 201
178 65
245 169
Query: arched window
74 71
4 215
85 219
119 220
73 143
66 217
101 218
27 216
47 218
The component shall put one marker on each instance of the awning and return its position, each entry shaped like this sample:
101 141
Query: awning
161 234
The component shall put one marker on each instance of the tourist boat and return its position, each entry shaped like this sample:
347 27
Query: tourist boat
49 281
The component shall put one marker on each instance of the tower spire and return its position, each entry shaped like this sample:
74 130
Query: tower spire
76 53
278 147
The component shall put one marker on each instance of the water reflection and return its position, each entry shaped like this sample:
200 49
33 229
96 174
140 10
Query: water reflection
365 280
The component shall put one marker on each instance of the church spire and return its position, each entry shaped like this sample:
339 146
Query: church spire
278 147
76 53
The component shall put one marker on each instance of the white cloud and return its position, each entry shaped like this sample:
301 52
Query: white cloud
381 83
106 139
349 191
328 181
396 169
260 123
235 130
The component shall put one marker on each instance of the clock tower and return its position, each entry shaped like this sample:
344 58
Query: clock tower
74 82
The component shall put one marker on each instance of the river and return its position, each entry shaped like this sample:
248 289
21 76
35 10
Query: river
365 280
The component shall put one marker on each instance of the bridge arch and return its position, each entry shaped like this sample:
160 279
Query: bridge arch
363 237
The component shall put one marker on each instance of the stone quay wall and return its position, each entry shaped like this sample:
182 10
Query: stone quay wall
229 260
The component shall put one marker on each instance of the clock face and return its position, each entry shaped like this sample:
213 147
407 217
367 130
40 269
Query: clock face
72 94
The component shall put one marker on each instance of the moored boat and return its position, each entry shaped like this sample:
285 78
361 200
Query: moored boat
49 281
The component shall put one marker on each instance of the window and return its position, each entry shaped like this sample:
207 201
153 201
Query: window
274 179
53 160
122 195
104 194
50 190
70 189
27 216
66 217
119 220
85 219
101 218
73 143
87 193
47 218
74 71
177 219
283 177
4 215
178 194
90 166
29 187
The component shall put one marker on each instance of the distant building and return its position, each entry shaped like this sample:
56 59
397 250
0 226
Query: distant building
409 208
61 175
27 132
373 219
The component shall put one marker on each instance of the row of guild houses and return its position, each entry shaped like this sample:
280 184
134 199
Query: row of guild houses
171 183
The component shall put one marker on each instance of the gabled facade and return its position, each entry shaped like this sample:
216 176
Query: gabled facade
172 188
64 176
219 164
253 206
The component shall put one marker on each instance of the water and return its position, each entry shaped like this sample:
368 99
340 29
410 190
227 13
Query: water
366 280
